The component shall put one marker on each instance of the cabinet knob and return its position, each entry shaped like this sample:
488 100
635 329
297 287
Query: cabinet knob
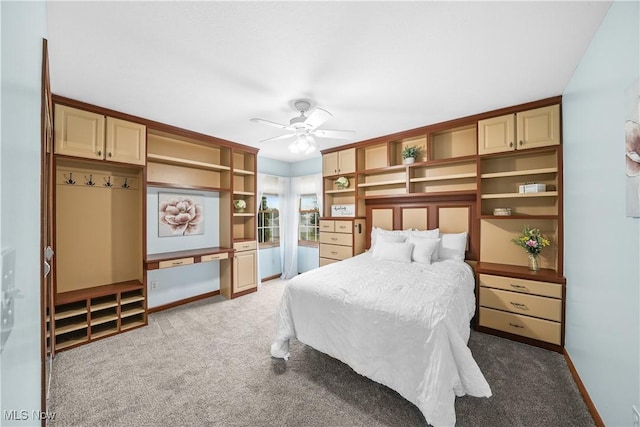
521 143
109 154
511 144
99 153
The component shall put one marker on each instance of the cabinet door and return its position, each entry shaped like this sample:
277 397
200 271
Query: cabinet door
347 161
539 127
330 164
244 271
496 135
79 133
126 141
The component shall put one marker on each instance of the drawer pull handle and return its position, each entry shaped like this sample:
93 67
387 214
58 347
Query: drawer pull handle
516 326
520 287
334 252
177 262
334 238
519 305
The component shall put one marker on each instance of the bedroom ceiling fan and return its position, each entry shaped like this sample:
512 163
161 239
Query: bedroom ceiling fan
304 129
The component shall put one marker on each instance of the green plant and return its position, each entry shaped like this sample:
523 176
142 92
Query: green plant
410 151
531 240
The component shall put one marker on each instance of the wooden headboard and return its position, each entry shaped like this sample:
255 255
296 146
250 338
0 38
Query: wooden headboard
451 216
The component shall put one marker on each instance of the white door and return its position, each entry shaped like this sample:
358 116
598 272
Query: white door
20 167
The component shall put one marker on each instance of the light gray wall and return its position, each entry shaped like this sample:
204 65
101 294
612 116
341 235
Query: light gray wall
23 28
602 245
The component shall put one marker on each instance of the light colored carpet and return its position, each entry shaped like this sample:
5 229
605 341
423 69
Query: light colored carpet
208 364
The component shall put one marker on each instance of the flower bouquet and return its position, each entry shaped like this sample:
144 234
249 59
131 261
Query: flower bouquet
533 242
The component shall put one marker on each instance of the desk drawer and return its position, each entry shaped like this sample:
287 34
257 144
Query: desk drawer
343 227
335 251
545 289
336 238
543 330
327 225
175 262
530 305
245 246
214 257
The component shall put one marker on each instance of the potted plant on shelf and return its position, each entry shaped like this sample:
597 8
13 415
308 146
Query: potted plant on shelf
410 154
239 205
533 242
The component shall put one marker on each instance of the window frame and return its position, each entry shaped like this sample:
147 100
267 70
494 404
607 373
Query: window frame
301 212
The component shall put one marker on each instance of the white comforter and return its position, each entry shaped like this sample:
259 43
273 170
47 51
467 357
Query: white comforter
403 325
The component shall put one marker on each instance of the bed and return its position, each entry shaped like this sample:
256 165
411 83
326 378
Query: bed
396 315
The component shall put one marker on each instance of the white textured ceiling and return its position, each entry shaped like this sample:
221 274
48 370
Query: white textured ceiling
378 67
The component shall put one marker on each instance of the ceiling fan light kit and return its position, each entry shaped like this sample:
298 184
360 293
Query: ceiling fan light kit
304 129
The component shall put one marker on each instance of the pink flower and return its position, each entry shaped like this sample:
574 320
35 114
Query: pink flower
181 214
532 243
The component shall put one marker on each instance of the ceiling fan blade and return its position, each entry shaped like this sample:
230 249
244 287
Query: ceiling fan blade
317 118
278 138
270 123
338 134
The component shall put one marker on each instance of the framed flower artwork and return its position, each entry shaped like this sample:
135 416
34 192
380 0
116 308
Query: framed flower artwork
180 214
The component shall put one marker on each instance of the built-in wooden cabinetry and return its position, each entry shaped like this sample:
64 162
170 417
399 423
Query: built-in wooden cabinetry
341 239
104 162
539 127
481 159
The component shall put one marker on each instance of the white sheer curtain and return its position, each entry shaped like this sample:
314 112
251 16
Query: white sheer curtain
289 195
317 188
259 192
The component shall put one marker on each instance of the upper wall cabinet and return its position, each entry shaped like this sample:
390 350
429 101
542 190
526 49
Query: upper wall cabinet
539 127
89 135
339 162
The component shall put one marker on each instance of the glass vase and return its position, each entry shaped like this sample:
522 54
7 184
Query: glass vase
533 262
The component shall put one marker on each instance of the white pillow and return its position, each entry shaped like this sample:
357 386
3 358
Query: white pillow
424 249
391 238
375 232
452 246
425 240
392 251
434 234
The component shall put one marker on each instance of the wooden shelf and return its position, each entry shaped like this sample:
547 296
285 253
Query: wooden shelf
70 343
103 319
243 172
131 324
103 306
243 214
444 177
519 173
244 193
131 312
519 195
345 191
70 313
381 183
519 216
168 160
71 327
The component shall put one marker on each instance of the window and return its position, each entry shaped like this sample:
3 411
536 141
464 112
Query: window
269 221
309 219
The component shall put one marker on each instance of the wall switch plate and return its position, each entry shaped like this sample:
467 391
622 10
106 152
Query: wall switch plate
9 292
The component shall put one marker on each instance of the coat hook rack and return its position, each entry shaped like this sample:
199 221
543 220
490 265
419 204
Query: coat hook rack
126 184
89 181
108 182
69 179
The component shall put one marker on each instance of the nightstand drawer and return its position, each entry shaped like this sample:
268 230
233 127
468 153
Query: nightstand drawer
530 305
545 289
336 239
327 225
327 261
343 227
245 246
335 251
214 257
543 330
175 262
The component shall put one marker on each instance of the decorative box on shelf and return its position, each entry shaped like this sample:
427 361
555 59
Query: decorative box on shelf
532 188
343 210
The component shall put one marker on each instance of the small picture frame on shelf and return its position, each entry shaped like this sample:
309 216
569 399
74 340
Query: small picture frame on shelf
343 210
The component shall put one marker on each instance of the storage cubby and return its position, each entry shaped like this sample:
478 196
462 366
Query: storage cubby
502 175
386 182
85 315
373 157
396 147
184 162
453 143
444 177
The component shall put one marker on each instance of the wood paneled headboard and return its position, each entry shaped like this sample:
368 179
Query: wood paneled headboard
450 216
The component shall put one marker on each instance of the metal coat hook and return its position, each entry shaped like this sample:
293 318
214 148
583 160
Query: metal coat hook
69 179
108 183
89 180
126 184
